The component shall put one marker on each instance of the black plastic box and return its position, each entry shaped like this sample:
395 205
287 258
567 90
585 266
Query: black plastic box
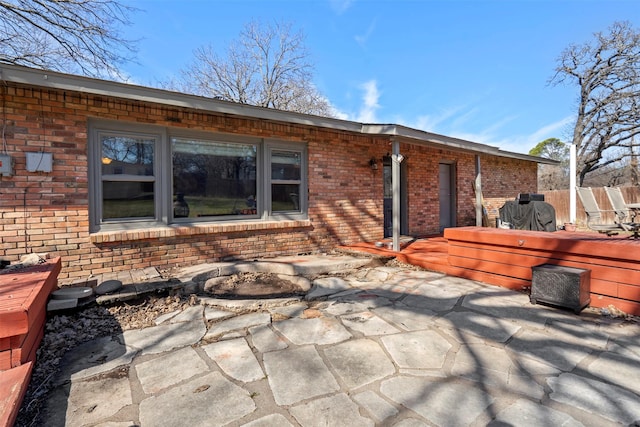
562 286
530 197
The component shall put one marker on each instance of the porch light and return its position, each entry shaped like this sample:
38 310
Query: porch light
106 161
373 164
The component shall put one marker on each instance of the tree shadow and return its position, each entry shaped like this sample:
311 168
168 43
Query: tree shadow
501 345
72 348
489 354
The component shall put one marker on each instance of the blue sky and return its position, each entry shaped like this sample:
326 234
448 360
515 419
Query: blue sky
477 70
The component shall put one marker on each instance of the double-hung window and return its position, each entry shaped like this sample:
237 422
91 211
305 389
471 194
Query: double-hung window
148 176
126 177
287 193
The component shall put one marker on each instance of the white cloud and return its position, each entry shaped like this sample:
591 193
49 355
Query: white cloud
456 122
367 113
431 122
338 114
340 6
524 143
363 38
553 130
464 122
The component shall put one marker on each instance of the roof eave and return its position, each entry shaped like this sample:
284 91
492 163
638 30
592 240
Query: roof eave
420 137
56 80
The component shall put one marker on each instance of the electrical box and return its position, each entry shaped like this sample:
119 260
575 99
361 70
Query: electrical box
6 165
39 162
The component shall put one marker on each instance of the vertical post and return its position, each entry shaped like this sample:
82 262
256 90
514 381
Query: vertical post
396 158
633 164
572 183
478 188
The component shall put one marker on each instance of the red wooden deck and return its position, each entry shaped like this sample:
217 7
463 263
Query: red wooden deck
505 258
13 386
23 296
23 309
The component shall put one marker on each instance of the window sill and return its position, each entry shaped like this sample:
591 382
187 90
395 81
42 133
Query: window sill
180 230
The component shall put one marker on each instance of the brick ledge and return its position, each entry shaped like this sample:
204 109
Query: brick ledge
193 230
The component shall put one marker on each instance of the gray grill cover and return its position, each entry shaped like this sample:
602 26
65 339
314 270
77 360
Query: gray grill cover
539 216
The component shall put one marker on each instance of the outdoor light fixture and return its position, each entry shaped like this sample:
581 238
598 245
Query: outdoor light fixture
373 164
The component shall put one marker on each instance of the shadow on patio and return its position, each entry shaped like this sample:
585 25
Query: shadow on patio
505 258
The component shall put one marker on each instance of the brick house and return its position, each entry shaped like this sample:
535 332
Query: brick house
113 177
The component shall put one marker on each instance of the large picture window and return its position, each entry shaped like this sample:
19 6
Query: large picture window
213 178
144 176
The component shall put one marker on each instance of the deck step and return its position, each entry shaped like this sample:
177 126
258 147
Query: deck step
13 387
23 297
24 294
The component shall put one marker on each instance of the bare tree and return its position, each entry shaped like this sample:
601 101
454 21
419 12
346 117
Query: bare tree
267 66
74 36
607 71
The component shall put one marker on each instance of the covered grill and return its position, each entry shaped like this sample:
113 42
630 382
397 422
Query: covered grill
529 212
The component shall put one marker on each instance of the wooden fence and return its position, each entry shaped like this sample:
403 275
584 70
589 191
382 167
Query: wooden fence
559 199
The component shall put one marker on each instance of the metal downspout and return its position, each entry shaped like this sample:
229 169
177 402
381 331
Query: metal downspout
396 159
478 189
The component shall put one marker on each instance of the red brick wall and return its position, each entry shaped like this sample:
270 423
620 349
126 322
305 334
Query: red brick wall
48 212
504 179
501 177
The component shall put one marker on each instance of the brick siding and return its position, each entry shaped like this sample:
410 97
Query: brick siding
48 212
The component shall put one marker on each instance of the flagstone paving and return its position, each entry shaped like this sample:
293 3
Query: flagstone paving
379 346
